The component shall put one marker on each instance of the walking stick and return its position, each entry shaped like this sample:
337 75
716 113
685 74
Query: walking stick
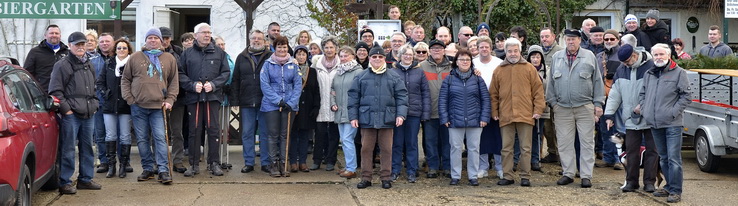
538 128
287 147
166 137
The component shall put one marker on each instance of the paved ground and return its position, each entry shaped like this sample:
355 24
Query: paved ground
326 188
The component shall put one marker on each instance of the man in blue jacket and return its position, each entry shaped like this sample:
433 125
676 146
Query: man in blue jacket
203 73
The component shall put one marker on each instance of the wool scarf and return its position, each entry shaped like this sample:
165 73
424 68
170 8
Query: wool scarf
155 63
346 67
119 64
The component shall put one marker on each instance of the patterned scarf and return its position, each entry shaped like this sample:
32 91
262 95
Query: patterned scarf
346 67
155 64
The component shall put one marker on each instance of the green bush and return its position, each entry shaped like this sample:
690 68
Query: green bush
704 62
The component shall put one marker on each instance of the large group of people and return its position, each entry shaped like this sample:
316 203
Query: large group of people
493 98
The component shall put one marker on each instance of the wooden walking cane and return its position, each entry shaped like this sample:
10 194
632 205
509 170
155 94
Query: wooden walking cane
166 137
287 144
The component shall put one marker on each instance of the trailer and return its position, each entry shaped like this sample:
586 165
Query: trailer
712 117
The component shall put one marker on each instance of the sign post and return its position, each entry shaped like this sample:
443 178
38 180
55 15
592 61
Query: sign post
61 9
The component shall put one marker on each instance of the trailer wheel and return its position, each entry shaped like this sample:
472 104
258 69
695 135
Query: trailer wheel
705 159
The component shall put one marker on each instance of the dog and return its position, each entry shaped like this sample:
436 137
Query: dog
619 140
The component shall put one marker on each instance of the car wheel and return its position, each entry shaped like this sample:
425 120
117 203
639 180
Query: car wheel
705 159
23 195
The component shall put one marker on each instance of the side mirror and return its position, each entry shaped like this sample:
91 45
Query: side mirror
52 103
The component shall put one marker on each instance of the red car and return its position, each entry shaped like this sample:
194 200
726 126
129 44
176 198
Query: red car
29 137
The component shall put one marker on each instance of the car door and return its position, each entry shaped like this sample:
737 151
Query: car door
46 130
23 114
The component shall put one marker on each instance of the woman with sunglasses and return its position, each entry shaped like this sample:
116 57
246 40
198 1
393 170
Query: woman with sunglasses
421 51
116 111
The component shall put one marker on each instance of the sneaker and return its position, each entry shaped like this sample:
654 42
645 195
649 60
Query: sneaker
164 178
314 167
432 174
265 169
482 174
500 174
67 189
215 169
247 169
394 176
192 171
661 193
618 166
411 178
330 167
673 198
91 185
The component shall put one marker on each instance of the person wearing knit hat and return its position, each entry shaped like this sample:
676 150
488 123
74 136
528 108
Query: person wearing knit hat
631 27
483 29
595 40
362 54
627 84
367 36
390 91
657 30
154 31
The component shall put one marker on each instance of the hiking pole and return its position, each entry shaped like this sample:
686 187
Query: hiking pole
166 137
287 144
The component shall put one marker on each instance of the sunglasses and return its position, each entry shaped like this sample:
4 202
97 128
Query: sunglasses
610 39
122 48
421 52
377 57
468 35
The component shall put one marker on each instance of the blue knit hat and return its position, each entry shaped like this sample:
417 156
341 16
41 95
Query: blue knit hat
153 31
483 26
625 52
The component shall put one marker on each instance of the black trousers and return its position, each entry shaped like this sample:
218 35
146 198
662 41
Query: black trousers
277 124
204 119
326 143
633 140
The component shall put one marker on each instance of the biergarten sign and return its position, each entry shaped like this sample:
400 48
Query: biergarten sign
61 9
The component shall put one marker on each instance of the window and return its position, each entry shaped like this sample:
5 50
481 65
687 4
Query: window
40 99
16 91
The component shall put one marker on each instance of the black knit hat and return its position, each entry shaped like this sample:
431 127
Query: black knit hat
362 44
376 50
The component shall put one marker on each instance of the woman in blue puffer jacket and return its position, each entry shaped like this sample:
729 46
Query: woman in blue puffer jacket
282 85
464 107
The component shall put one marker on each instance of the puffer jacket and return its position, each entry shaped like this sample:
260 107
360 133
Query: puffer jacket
280 83
464 102
108 86
339 93
73 82
376 100
435 73
626 86
246 83
664 96
40 62
203 64
418 93
325 80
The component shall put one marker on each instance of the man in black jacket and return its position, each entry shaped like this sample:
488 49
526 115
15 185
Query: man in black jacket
72 81
40 60
246 94
203 73
177 115
631 27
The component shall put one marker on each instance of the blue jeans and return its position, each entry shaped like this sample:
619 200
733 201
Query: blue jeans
535 148
118 128
76 131
405 144
348 134
437 146
609 151
669 146
250 117
99 135
145 122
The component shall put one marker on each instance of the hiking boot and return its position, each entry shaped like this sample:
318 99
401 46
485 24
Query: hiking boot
673 198
274 169
146 175
164 178
192 171
67 189
102 168
91 185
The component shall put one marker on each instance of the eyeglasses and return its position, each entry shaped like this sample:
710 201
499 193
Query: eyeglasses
206 32
463 60
377 57
610 39
421 52
398 41
122 48
367 36
468 35
437 48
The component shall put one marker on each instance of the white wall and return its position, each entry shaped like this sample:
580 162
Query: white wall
18 36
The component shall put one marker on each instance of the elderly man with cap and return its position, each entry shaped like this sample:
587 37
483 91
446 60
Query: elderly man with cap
377 102
70 82
435 143
577 94
628 81
483 29
176 116
149 84
595 40
631 27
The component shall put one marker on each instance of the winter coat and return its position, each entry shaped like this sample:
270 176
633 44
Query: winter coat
643 39
176 51
246 84
339 93
664 96
720 50
309 100
575 85
73 83
138 87
658 33
435 73
376 100
108 85
40 62
595 48
203 64
418 93
549 52
325 80
99 61
464 102
516 93
280 83
626 87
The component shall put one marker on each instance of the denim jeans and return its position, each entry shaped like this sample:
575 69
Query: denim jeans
145 122
535 148
438 149
299 145
405 144
118 128
99 135
348 135
76 131
669 146
609 151
250 118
